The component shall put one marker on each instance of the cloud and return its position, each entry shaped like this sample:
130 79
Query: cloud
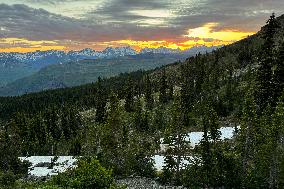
53 2
239 15
98 22
38 24
131 12
24 45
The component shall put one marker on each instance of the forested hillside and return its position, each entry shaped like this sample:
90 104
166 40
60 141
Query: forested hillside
76 73
118 123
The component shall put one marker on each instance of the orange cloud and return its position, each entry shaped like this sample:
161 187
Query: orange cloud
206 31
31 49
138 45
204 35
24 45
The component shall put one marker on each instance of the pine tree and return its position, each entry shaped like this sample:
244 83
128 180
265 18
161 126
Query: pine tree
211 153
217 153
141 118
66 130
129 99
178 149
278 74
100 102
199 77
248 136
10 165
169 168
114 121
276 145
148 94
213 125
171 92
159 121
163 87
21 127
206 155
53 126
181 144
186 92
138 114
138 89
111 132
229 96
41 132
75 122
267 60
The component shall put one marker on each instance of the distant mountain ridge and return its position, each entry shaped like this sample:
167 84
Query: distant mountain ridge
40 70
14 66
43 58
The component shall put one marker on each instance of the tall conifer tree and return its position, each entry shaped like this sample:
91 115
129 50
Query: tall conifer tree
267 61
100 102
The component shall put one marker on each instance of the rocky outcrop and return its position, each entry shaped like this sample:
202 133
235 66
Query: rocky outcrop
144 183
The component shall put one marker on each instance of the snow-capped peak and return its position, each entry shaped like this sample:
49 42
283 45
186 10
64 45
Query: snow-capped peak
160 50
119 51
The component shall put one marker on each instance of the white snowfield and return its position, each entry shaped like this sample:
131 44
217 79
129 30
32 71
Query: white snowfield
159 161
39 167
194 138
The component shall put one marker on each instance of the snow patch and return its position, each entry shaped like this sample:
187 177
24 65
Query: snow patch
40 165
194 138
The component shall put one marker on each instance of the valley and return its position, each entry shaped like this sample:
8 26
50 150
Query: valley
34 72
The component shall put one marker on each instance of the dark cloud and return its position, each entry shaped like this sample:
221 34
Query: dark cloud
52 2
241 15
122 5
118 19
116 11
38 24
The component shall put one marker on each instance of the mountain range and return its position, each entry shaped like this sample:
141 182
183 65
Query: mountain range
43 58
22 73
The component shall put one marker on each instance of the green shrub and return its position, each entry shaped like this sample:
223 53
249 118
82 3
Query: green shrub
88 175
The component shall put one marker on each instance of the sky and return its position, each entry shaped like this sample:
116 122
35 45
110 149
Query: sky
29 25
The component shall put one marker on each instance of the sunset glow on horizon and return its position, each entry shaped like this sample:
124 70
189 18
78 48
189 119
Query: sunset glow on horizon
197 37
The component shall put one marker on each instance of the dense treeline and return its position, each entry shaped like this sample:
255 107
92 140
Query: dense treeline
82 96
121 120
